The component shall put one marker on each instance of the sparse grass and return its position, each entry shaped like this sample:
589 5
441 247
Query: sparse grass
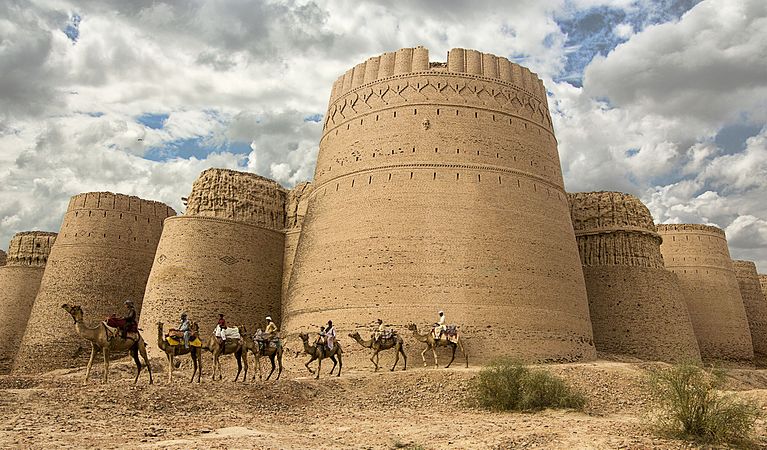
692 407
507 385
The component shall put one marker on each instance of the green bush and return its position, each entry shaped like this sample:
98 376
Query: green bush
692 408
507 385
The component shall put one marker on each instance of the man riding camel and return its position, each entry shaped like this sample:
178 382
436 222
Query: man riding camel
440 325
378 334
330 335
129 319
221 329
185 328
270 326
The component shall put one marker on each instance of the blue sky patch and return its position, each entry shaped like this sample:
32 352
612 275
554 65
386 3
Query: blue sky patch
732 138
153 121
72 30
198 147
313 118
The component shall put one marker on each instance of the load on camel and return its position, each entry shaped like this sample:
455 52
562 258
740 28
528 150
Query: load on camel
104 340
320 351
450 337
172 344
387 340
227 341
264 344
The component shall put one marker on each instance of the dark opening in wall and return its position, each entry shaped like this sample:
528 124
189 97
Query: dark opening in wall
413 149
499 179
337 186
389 177
456 112
411 175
457 176
370 179
437 111
436 150
415 111
435 176
376 117
395 113
519 184
479 178
352 182
458 150
476 115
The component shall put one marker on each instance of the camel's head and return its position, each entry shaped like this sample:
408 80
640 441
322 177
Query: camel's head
75 311
304 337
355 335
160 325
412 327
242 329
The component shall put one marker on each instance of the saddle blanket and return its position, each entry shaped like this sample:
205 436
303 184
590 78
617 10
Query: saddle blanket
196 342
228 332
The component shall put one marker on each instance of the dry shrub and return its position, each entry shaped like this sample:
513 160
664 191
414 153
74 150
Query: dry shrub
507 385
692 407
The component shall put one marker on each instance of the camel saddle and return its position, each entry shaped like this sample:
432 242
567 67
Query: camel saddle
178 334
267 339
387 334
194 340
450 333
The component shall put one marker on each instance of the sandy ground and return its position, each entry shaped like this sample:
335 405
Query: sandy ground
419 408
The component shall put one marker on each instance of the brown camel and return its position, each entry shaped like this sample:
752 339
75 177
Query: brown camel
321 352
272 352
171 351
232 346
395 342
99 339
432 344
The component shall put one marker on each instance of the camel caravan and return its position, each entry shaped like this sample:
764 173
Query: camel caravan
121 334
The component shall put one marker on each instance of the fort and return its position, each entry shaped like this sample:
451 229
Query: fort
438 187
637 308
755 303
763 283
225 255
699 256
20 279
102 256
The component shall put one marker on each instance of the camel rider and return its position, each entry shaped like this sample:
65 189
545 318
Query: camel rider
330 335
270 326
185 328
380 331
440 326
321 338
129 318
221 328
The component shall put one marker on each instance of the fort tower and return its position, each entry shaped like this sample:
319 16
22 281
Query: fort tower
438 187
699 256
102 257
755 304
19 282
637 307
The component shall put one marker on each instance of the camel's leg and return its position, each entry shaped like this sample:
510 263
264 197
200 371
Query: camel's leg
145 357
90 362
319 368
396 357
257 369
134 354
404 356
423 354
271 360
215 365
245 364
340 364
170 366
466 356
105 378
373 360
308 362
453 357
279 364
434 352
335 363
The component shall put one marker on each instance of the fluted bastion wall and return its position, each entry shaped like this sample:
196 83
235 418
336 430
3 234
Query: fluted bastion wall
699 256
754 302
225 255
438 186
295 210
637 308
19 283
102 256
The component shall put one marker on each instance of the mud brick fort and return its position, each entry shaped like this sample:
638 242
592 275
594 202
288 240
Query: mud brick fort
437 187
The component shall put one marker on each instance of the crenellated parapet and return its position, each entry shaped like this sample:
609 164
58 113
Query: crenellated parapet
30 248
239 196
614 228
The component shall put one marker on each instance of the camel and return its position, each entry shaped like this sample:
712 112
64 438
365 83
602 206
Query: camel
432 344
395 342
272 352
231 346
99 339
320 353
171 351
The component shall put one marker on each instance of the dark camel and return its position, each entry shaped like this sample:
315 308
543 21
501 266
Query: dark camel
272 352
394 342
432 344
171 351
99 339
231 346
321 352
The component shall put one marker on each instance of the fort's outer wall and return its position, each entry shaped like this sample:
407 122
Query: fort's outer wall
699 256
637 308
439 188
755 304
763 283
102 256
295 210
225 255
19 283
3 256
206 266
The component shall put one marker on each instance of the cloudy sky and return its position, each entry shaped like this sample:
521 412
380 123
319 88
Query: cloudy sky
664 99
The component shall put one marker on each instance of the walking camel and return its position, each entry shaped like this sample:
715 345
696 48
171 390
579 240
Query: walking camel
272 352
99 339
321 352
228 347
171 351
432 344
394 341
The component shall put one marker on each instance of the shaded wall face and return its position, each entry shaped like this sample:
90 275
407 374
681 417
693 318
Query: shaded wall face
754 302
442 191
295 210
207 266
102 257
18 288
3 257
763 283
698 255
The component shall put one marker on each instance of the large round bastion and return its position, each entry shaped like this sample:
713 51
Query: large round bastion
438 187
102 256
637 307
225 255
699 256
19 282
754 302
